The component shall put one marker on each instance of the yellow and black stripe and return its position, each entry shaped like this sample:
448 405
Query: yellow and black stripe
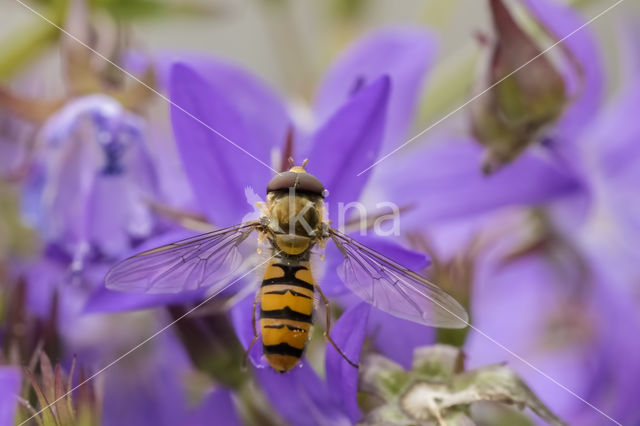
286 306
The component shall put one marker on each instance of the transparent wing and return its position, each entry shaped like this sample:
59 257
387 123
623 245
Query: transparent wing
395 289
196 262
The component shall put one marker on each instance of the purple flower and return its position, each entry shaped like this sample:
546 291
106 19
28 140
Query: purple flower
87 193
559 320
554 306
542 252
611 160
359 116
448 181
587 180
132 395
301 397
238 107
217 404
404 54
88 187
446 175
349 334
354 128
242 109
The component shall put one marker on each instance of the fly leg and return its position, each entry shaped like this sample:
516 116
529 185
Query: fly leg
327 329
255 330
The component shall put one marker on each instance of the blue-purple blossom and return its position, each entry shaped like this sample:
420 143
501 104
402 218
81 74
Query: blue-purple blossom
91 180
356 129
406 55
542 251
131 396
446 172
570 342
560 322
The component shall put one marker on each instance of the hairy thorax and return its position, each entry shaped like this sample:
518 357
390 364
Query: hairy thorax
295 221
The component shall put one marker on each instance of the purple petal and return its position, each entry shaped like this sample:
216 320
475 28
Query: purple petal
91 179
217 405
616 175
534 293
264 113
109 207
301 397
618 367
349 142
52 289
241 319
42 278
147 388
615 136
104 300
562 325
404 54
443 182
10 382
412 259
397 338
630 50
342 378
71 168
11 155
563 21
217 169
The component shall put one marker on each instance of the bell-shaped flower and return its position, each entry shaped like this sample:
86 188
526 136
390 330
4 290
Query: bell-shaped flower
90 185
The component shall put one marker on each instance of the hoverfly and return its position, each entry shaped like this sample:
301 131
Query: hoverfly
292 224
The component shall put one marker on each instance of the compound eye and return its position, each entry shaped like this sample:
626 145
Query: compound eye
282 181
303 182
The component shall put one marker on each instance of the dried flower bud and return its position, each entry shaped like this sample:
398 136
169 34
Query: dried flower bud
508 117
437 392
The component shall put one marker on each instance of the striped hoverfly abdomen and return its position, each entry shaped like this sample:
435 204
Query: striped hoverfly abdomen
286 299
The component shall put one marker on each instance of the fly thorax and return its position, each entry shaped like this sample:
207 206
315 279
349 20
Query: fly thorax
295 215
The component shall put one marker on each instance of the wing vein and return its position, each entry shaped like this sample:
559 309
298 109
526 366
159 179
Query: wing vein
188 264
394 288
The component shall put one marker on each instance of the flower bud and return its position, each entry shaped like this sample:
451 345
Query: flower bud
438 391
526 92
